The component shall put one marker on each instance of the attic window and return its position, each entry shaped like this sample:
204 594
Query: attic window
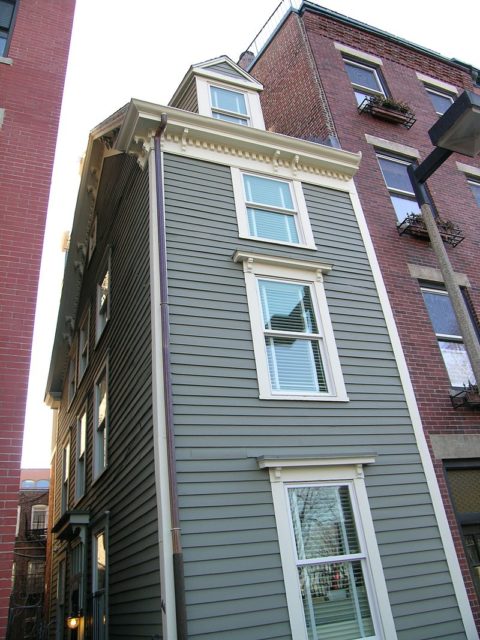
229 105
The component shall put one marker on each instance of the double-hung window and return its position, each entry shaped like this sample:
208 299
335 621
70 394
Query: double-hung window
40 518
441 100
100 434
365 79
80 454
7 18
293 340
65 477
271 209
395 174
475 187
449 337
229 105
103 300
331 564
99 585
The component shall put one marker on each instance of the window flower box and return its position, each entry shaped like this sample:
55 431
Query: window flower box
389 110
467 397
414 225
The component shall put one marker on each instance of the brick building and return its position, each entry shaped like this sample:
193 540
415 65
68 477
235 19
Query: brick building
324 75
34 43
28 570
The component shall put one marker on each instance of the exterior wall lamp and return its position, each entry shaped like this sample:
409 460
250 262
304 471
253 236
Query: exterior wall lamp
73 620
457 130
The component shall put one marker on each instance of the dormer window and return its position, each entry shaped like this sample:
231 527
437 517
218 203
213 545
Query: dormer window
229 105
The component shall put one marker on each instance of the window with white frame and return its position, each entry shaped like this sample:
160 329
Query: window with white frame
450 341
39 517
365 79
399 185
475 187
331 564
83 344
65 477
229 105
100 424
99 584
80 455
271 209
294 345
77 577
103 300
441 100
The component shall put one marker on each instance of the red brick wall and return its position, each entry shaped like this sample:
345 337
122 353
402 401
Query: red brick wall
448 187
30 92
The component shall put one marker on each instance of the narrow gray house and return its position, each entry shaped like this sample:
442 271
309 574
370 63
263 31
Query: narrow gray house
238 451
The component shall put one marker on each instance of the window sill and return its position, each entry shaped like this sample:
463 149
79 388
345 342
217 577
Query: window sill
297 245
6 60
300 397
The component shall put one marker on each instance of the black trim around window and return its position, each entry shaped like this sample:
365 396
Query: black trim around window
7 27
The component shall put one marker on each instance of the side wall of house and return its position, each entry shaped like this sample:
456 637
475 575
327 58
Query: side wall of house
122 499
234 580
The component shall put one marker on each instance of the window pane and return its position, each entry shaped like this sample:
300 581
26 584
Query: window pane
396 175
100 562
323 522
363 76
274 193
441 313
228 100
335 601
82 434
6 13
457 363
272 225
440 102
102 400
287 307
475 187
404 206
229 118
295 365
464 487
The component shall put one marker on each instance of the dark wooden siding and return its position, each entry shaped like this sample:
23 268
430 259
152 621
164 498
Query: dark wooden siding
233 574
126 490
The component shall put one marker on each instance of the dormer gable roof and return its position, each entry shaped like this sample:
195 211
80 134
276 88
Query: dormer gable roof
222 69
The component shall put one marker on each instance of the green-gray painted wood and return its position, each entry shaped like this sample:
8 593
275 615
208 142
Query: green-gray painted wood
228 525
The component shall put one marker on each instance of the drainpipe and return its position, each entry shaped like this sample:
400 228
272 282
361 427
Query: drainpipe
178 573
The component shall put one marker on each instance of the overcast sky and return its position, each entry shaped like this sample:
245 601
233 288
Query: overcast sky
118 53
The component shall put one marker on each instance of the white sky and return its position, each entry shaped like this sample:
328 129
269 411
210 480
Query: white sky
118 53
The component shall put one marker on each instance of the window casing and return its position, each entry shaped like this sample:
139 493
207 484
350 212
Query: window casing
83 345
99 585
39 517
450 341
365 79
229 104
271 209
100 424
395 174
103 301
65 477
8 9
440 100
295 352
475 187
463 478
331 564
80 455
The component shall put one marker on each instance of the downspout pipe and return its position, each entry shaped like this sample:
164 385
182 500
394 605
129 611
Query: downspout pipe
178 571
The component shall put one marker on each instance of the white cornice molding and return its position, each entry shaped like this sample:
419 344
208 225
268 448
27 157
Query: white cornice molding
227 143
250 261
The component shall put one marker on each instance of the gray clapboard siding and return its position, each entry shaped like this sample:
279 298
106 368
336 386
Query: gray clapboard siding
226 70
189 101
222 426
126 489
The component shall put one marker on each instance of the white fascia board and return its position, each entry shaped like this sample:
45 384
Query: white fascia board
232 144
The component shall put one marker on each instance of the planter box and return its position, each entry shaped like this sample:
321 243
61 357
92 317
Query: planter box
388 114
413 225
468 397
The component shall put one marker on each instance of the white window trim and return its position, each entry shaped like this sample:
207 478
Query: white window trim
310 273
252 99
79 494
84 325
97 472
65 486
345 470
107 269
304 228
